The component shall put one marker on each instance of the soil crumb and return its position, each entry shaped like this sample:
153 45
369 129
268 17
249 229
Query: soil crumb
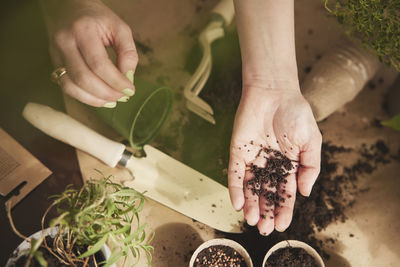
290 257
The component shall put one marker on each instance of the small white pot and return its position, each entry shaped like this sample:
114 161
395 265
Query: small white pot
222 242
295 244
25 246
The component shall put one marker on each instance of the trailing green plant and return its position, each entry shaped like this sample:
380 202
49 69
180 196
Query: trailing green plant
376 23
100 212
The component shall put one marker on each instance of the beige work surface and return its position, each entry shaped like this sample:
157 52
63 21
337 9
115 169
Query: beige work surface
375 218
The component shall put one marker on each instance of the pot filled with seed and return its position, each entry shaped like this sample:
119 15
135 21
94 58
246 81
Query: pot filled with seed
220 252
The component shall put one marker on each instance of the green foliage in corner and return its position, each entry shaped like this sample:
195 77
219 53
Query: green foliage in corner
376 23
393 122
99 212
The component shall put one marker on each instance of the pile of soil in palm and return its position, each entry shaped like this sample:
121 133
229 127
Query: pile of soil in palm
52 261
335 191
219 255
290 257
269 180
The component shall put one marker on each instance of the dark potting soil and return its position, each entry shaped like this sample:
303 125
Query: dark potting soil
52 261
290 257
272 176
219 255
335 191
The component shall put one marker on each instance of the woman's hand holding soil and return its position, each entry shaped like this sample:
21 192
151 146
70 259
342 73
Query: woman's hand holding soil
276 144
275 149
79 31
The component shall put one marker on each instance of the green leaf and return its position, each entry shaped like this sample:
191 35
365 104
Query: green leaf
135 235
40 259
96 247
393 122
35 244
113 258
124 229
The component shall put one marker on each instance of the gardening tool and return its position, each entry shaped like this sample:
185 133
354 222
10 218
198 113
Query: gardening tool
163 178
222 15
141 118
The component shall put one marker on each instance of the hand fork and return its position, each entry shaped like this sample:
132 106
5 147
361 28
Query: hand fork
223 14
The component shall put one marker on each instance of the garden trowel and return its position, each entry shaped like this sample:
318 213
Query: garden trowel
163 178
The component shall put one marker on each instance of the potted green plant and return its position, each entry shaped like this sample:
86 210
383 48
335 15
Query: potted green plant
100 212
343 71
374 23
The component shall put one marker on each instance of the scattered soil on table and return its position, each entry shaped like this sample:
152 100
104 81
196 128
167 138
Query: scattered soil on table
335 191
219 255
52 261
290 257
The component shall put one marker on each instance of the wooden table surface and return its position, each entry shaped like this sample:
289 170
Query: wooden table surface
24 72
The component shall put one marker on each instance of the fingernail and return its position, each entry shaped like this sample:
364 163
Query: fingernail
129 75
124 99
110 105
280 230
128 92
308 191
237 207
252 221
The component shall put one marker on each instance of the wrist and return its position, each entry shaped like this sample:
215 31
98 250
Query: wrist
270 81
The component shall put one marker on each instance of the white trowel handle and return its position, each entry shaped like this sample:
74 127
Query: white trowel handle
226 10
64 128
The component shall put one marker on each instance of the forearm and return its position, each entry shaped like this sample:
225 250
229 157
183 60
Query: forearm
266 34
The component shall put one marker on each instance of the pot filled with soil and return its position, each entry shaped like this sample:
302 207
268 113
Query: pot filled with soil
220 251
292 253
21 253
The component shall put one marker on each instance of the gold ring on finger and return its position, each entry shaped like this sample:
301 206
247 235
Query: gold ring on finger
57 74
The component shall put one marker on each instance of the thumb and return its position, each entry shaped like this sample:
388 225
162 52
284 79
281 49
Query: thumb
310 160
124 46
